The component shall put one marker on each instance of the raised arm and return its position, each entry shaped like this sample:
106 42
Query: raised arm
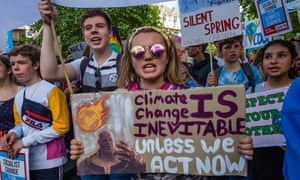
48 63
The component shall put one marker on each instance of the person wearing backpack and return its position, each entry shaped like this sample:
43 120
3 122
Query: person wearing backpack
233 71
154 64
97 73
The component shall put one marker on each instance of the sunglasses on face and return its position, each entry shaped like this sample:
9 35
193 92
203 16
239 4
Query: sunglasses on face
156 50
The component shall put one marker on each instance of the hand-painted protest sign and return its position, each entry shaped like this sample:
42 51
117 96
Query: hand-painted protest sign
253 35
16 168
209 24
274 17
78 50
193 131
263 120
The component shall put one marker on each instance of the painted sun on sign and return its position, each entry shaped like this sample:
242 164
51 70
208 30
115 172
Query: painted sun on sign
91 117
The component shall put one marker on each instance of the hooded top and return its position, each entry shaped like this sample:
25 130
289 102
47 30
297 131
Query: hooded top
290 115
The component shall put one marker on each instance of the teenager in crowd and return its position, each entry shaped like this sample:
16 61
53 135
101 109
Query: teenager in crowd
150 61
41 117
277 62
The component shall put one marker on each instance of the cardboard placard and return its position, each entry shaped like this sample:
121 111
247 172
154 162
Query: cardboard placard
274 17
263 120
194 131
203 22
17 168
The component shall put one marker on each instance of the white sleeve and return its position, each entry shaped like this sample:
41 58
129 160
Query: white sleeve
76 64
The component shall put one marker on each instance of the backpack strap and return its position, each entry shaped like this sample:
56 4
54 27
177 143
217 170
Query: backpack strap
247 70
84 63
118 62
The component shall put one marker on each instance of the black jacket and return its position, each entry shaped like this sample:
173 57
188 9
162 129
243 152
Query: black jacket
200 70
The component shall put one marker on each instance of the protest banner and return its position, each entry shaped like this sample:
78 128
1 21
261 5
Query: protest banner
194 131
274 17
204 23
29 13
16 168
78 50
263 120
253 35
105 3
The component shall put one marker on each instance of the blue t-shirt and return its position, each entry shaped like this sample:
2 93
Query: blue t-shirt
227 77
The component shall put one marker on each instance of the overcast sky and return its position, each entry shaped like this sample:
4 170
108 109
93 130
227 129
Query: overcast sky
171 4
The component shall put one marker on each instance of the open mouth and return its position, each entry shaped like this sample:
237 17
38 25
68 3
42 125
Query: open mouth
149 66
96 40
233 55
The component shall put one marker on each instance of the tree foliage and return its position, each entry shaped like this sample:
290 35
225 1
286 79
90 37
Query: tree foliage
248 10
132 17
128 18
68 29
